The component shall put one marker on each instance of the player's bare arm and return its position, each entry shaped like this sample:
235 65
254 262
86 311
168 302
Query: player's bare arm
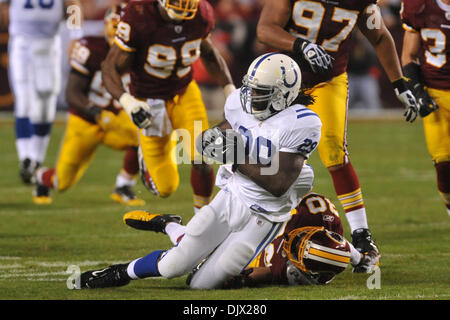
215 65
77 95
384 46
4 14
411 47
289 167
116 63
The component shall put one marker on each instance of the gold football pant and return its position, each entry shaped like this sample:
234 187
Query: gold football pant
437 127
161 154
82 139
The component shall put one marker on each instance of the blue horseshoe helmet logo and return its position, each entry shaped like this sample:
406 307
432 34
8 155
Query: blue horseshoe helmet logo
289 85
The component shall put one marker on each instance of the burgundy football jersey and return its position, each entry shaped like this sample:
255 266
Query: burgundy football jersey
86 58
314 210
431 18
163 51
329 24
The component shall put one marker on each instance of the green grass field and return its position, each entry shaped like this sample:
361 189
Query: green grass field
83 227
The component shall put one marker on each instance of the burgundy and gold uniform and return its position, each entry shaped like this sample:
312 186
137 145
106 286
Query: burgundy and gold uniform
313 210
161 74
431 19
330 25
82 137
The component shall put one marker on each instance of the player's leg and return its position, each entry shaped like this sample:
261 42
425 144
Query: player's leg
45 70
331 106
437 129
189 114
120 133
78 147
235 253
19 74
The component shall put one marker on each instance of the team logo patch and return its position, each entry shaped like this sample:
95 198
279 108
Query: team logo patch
178 29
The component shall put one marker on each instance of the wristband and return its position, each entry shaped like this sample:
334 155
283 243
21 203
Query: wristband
400 85
297 48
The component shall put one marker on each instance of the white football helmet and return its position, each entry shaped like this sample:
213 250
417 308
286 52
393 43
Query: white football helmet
271 84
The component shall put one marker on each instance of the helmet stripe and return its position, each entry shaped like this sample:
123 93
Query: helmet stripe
333 251
264 57
328 256
328 261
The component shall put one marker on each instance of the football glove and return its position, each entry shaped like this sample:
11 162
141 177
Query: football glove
137 110
94 112
225 146
407 98
318 59
426 104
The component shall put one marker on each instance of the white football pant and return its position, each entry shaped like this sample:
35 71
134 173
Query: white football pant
35 76
226 231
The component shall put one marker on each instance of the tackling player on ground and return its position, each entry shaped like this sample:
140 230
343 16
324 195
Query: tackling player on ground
273 266
316 34
159 41
94 119
265 139
426 61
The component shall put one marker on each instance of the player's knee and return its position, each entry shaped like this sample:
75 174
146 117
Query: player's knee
175 263
234 259
201 222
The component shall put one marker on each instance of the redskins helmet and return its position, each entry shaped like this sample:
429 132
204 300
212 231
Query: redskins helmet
315 250
180 9
112 19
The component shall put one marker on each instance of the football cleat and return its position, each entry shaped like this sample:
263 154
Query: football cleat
112 276
41 194
125 195
143 220
27 170
368 262
363 242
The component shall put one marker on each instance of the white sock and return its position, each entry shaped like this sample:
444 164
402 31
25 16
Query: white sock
23 146
448 211
130 270
124 179
38 147
357 219
175 231
355 255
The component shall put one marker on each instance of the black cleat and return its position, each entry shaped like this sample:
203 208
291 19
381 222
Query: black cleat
113 276
363 242
125 195
41 194
27 169
143 220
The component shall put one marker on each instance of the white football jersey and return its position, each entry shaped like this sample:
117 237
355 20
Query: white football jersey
35 18
295 129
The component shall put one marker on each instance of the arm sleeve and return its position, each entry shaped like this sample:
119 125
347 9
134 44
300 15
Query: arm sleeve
407 16
80 58
127 33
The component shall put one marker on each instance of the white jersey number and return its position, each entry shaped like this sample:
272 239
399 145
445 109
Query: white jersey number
44 4
435 55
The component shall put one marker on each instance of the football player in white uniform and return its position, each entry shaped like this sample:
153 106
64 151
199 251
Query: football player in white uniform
263 142
34 56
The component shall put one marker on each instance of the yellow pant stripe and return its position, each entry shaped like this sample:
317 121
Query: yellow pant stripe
348 195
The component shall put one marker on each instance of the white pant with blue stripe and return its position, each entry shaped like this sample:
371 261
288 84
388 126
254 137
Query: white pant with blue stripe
225 232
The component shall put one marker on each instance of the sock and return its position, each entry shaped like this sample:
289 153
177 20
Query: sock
355 257
46 177
145 267
124 179
131 162
24 131
175 231
40 141
203 187
443 182
348 191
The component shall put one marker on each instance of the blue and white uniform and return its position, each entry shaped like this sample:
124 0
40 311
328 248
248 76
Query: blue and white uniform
35 71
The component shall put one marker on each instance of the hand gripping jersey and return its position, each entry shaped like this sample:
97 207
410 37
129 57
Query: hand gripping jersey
296 130
314 210
431 18
163 51
329 24
86 58
35 18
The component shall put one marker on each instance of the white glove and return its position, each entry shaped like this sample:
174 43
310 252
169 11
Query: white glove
138 110
407 98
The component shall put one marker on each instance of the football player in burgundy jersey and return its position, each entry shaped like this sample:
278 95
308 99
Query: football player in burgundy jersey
159 41
94 119
272 265
426 61
317 34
